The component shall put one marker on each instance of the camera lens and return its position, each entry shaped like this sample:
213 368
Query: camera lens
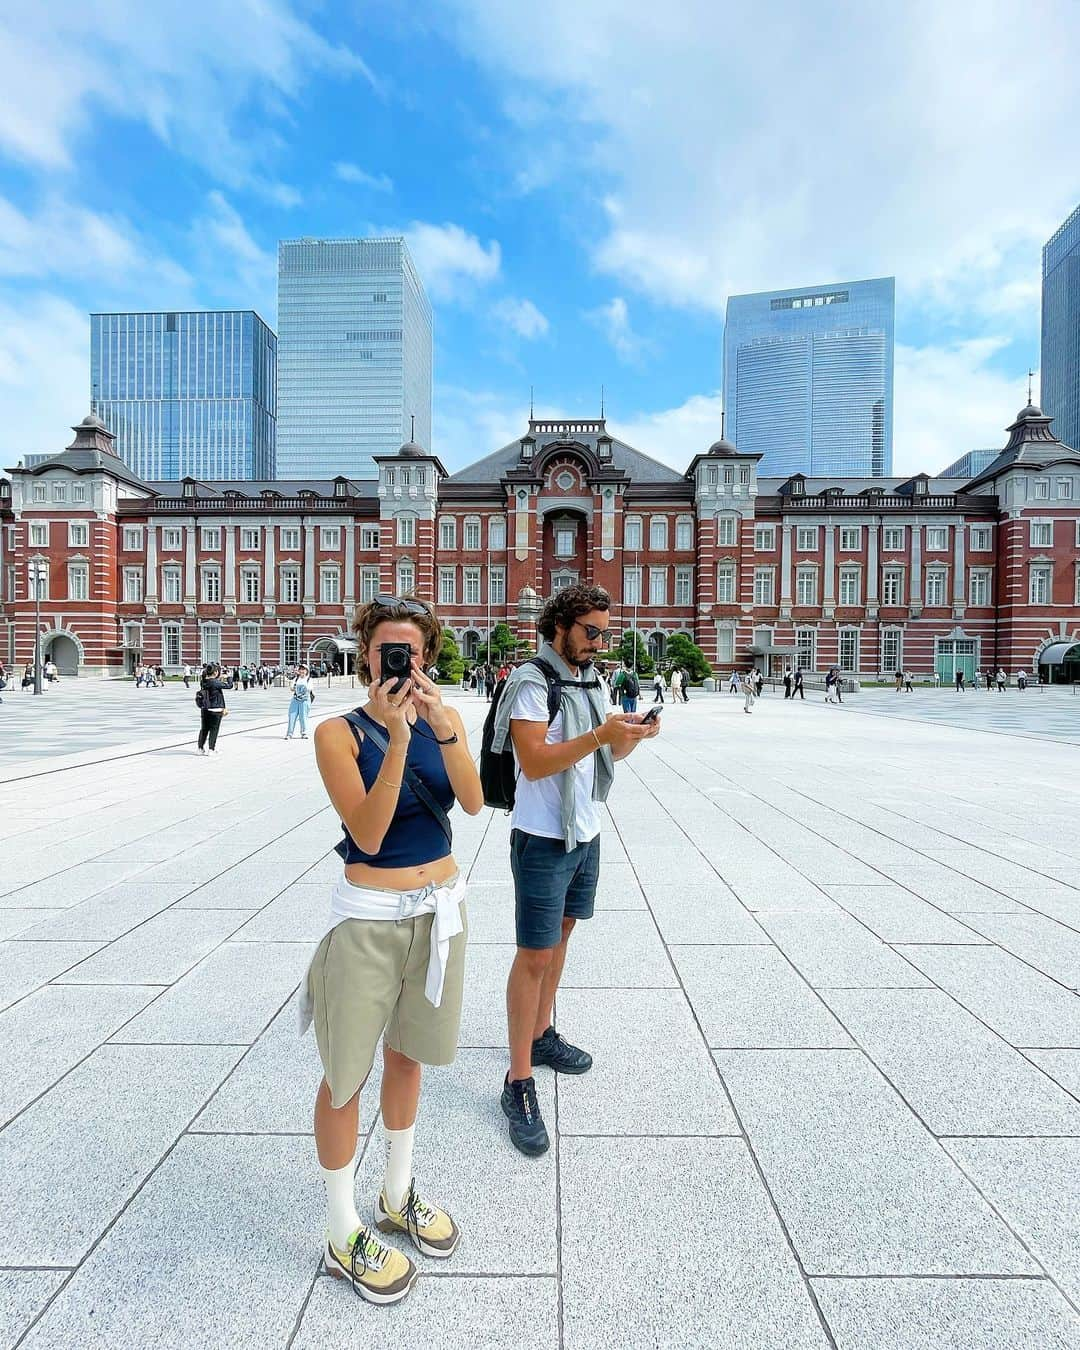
395 661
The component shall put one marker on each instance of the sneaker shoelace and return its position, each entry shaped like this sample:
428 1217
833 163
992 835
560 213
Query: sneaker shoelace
525 1094
368 1253
417 1214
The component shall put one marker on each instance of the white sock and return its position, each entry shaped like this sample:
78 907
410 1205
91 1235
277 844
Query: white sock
341 1204
399 1173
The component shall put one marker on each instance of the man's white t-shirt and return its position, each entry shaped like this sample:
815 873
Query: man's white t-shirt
538 805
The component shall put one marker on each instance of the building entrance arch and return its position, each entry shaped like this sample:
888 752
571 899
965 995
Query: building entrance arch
338 653
64 650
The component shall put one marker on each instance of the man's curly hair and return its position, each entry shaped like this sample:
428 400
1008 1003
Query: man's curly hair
566 606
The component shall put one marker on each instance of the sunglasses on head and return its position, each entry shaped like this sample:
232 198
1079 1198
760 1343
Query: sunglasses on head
591 630
398 602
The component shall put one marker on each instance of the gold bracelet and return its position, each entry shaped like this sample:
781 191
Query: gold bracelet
596 738
387 781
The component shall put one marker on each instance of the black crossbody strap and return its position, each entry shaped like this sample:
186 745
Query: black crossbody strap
375 733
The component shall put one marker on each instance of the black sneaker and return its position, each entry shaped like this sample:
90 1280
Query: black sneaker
519 1104
560 1055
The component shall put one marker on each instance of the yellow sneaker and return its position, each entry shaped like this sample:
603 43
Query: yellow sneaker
430 1229
378 1273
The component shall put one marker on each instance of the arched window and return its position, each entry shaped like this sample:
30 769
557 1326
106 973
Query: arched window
470 644
657 646
406 577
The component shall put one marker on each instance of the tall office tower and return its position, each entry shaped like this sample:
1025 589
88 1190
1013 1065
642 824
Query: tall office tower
808 378
355 333
1060 377
187 393
970 465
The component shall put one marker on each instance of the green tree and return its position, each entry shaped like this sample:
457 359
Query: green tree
625 652
681 651
450 662
502 643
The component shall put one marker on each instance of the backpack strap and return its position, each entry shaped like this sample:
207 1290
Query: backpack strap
556 683
359 721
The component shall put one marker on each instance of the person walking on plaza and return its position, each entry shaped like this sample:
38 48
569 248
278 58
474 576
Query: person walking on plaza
391 964
629 687
907 682
749 690
733 683
303 696
759 682
959 681
787 682
567 766
1021 680
211 703
684 683
899 678
187 677
799 686
1002 680
658 688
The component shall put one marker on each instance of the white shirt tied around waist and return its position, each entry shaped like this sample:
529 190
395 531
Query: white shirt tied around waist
442 899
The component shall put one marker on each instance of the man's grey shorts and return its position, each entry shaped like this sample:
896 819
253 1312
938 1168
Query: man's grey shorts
550 885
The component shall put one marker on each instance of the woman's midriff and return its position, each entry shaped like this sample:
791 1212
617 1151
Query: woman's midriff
402 878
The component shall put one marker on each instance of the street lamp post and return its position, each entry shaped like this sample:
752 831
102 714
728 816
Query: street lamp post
37 576
637 601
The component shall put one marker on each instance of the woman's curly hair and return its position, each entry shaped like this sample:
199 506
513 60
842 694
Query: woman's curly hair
368 617
566 606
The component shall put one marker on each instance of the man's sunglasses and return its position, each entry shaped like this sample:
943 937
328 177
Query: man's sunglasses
398 602
591 630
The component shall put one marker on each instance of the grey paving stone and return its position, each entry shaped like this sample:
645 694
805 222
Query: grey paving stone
69 1162
484 1314
490 907
750 996
777 891
61 889
52 1029
228 998
822 1123
464 1160
618 886
249 885
299 914
1063 1066
1051 899
272 1089
212 1197
947 1315
707 914
483 1010
158 951
16 921
1021 1005
110 914
26 966
735 1282
835 951
896 915
1043 943
618 949
23 1294
953 892
647 1037
1035 1184
955 1073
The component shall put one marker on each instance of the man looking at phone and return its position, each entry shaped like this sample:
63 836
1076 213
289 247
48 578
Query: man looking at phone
566 772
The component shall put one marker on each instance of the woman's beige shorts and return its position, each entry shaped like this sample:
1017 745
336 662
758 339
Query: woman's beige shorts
366 977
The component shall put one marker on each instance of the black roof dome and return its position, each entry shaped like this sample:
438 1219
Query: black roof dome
722 447
1032 410
410 450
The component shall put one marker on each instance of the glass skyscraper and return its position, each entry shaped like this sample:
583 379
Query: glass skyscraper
355 332
187 393
808 378
1060 377
971 464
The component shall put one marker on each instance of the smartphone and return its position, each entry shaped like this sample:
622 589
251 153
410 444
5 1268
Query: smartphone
395 663
653 715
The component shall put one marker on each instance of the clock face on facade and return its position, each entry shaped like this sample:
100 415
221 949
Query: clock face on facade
565 480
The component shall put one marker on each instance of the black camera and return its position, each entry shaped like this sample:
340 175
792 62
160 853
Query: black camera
395 663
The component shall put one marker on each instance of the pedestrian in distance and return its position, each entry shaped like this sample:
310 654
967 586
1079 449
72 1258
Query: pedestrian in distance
759 682
898 676
629 687
1021 680
1002 680
907 682
733 682
658 688
303 696
959 681
390 966
210 700
567 767
749 690
989 680
788 684
187 677
799 685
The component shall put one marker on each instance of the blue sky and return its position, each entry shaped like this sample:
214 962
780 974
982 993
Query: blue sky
582 184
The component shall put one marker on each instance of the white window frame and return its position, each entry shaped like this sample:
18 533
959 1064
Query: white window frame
405 576
59 492
370 538
470 585
39 534
1041 489
937 580
727 531
289 588
406 530
1065 489
369 583
78 534
172 539
937 539
684 586
447 585
172 633
849 533
892 532
250 585
658 587
78 492
765 586
289 644
210 584
979 583
806 538
658 534
447 532
250 644
890 577
209 643
330 585
565 541
892 638
725 645
172 585
1040 578
330 538
497 534
806 586
980 539
133 586
78 581
852 636
250 538
210 540
1041 534
849 586
726 583
290 538
470 538
806 648
497 585
40 494
1076 586
632 535
764 538
684 534
632 585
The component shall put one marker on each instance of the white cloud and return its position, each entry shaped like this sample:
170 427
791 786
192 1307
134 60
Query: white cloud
522 317
188 72
948 400
44 373
353 173
673 435
239 266
451 261
904 141
613 320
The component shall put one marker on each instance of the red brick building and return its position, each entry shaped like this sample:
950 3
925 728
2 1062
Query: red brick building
870 575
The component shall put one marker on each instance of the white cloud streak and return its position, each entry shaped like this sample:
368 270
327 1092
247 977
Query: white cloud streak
521 317
353 173
613 320
451 261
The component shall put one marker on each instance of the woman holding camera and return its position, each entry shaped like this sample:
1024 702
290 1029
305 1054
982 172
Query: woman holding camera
391 965
211 701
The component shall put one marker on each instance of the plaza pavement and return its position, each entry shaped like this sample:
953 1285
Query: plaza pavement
831 990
